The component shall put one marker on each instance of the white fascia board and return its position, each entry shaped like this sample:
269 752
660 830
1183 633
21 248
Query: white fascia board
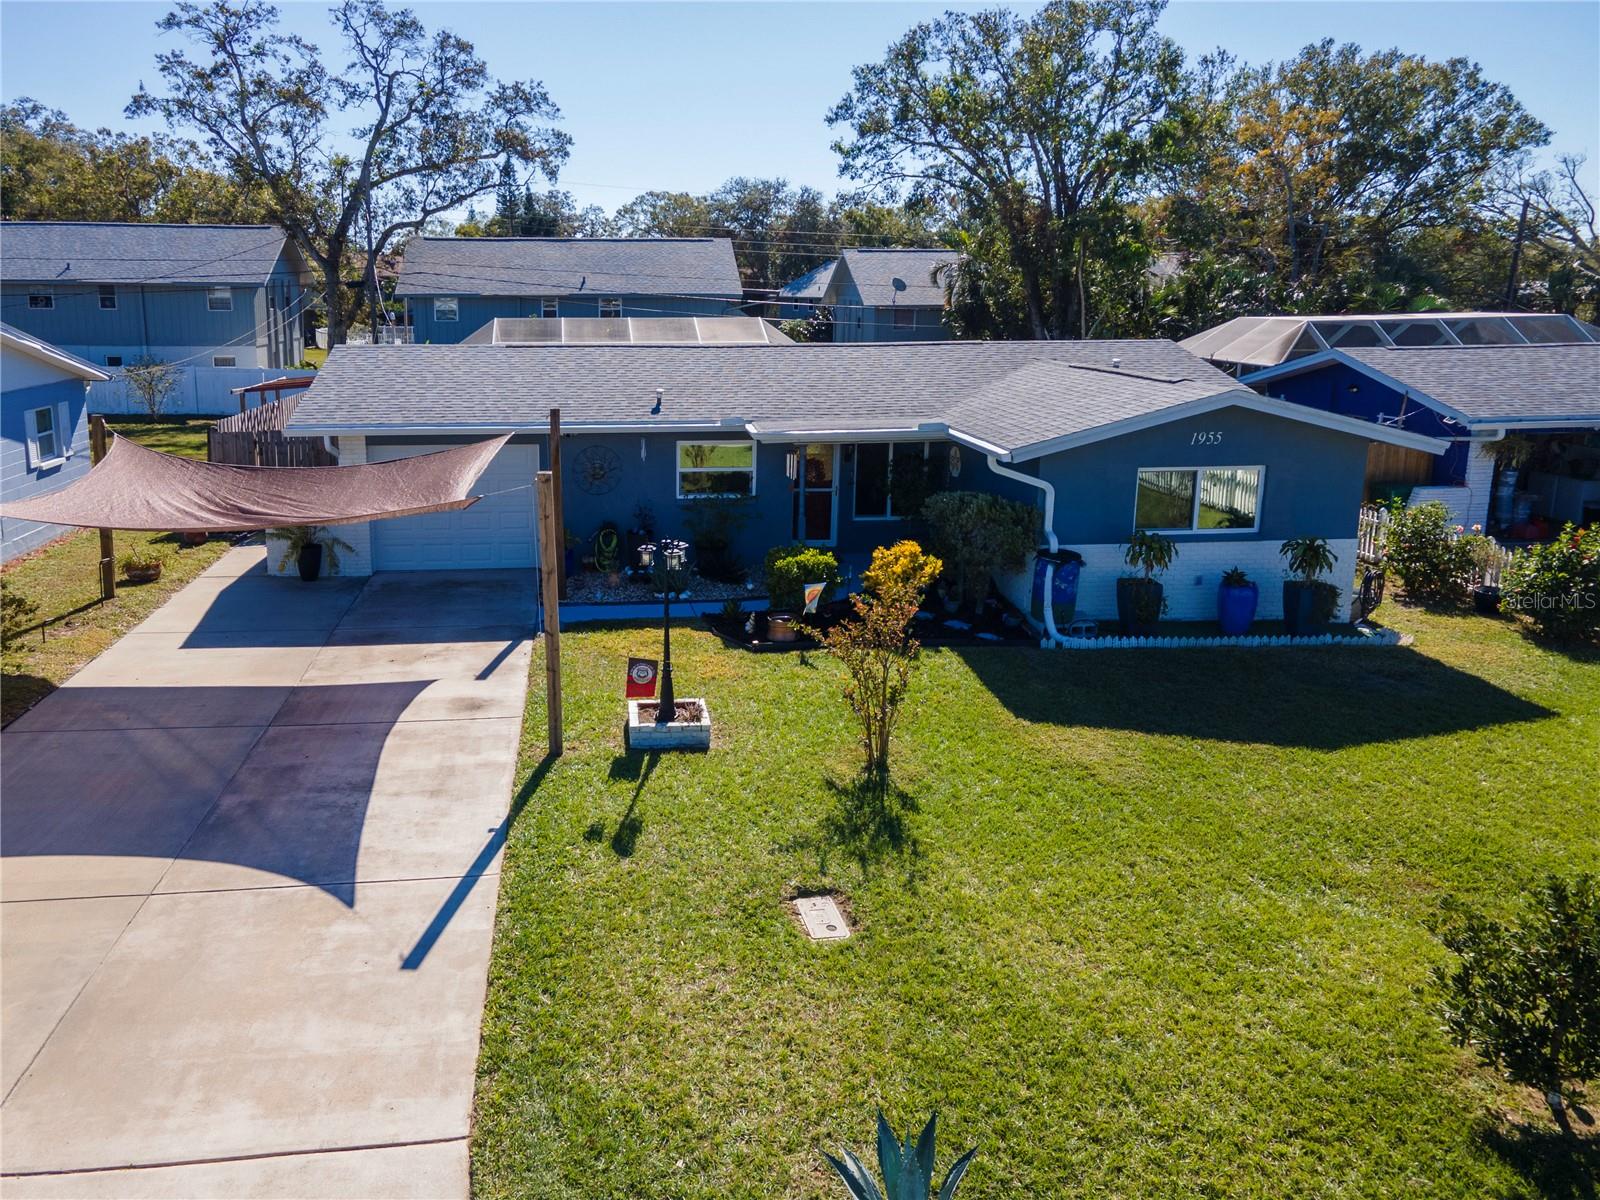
335 428
40 352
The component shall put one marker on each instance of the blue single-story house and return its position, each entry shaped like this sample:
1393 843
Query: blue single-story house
226 302
799 299
1482 400
800 443
44 433
455 286
887 295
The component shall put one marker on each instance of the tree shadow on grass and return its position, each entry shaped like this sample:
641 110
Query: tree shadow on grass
1558 1165
868 823
1325 699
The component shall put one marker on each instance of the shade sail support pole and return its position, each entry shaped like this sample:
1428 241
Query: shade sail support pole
549 544
108 549
559 546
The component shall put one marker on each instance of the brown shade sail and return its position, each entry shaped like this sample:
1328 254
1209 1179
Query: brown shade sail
136 488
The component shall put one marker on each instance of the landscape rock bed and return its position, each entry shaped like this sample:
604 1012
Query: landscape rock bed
591 587
997 625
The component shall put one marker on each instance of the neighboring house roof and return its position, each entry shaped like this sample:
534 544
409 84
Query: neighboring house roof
1268 341
813 285
42 351
633 331
129 253
1013 399
1479 385
894 277
569 267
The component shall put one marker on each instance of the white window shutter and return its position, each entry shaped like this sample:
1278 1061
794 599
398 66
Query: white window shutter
64 430
32 421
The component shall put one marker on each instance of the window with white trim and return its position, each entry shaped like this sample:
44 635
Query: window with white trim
610 306
1198 499
224 360
41 298
44 437
446 308
708 470
905 318
108 296
549 310
219 299
876 464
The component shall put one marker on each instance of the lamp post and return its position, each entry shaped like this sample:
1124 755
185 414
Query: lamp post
667 562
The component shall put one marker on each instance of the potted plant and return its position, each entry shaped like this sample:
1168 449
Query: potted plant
1140 598
307 546
1237 598
142 566
1485 558
1309 601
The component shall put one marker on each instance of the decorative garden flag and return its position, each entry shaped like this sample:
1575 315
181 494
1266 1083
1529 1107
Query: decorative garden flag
813 594
641 678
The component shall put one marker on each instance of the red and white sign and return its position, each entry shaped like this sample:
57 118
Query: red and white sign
641 678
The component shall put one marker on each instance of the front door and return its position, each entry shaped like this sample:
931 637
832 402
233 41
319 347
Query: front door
819 494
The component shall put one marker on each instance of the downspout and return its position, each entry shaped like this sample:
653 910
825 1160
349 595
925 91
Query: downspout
327 444
1052 639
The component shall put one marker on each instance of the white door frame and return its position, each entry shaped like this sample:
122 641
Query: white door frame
833 489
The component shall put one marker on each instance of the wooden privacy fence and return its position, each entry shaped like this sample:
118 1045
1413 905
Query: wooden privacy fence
256 438
1373 531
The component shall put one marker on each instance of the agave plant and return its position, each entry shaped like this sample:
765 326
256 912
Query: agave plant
907 1170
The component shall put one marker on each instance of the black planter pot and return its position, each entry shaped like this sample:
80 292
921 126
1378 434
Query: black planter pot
1139 603
1304 606
1486 600
311 562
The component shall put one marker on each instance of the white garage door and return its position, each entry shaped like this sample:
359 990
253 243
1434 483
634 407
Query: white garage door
497 531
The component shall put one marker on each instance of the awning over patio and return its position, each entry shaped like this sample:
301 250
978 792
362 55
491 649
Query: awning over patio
136 488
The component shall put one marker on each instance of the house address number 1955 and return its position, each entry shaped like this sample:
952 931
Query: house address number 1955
1206 437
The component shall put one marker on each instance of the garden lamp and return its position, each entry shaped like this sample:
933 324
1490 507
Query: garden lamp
670 574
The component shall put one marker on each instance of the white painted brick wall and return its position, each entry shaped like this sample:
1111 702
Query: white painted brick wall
352 452
1480 485
1191 582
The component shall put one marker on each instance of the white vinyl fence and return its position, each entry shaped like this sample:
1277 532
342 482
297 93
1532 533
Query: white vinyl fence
202 391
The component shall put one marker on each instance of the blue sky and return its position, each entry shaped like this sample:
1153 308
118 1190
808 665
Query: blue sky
682 96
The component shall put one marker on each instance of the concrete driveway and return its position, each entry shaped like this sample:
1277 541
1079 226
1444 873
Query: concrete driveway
250 860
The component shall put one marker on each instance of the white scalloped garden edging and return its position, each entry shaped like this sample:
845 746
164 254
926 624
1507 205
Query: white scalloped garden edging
1378 637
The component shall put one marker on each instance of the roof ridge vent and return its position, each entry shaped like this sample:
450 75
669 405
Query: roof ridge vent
1114 369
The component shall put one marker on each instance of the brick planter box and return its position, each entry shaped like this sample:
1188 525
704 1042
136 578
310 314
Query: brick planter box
646 734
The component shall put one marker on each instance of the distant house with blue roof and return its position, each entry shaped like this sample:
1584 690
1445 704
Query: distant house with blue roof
44 436
453 287
888 295
225 302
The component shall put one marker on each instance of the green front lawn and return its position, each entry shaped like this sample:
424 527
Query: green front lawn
73 624
1137 924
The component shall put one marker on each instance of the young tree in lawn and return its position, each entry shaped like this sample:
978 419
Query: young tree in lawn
153 381
430 125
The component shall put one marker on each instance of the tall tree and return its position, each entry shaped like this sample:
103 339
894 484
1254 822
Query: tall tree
430 124
1045 126
507 201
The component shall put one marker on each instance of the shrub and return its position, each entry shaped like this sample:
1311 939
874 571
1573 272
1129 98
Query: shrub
713 525
876 646
789 568
142 559
1422 549
903 564
1557 585
977 534
16 613
907 1169
1526 993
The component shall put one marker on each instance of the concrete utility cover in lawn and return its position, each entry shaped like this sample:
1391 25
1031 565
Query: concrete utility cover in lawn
821 918
250 862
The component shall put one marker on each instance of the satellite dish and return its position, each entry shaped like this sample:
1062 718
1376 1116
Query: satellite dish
899 284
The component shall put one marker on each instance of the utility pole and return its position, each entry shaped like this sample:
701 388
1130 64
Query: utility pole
108 549
1516 256
549 542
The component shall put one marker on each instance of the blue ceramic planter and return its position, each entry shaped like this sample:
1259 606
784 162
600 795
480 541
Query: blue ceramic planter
1236 608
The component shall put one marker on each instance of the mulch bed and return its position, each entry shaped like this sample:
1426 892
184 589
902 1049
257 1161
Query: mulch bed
686 712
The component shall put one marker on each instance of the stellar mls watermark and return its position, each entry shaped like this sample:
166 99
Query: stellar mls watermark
1544 602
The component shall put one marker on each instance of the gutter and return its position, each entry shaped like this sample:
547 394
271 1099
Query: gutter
1052 638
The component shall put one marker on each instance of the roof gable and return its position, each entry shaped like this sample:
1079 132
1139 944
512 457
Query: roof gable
42 351
890 277
692 267
133 252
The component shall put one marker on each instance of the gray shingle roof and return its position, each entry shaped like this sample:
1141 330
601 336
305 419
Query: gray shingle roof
569 267
107 252
37 347
1487 384
1006 393
813 285
896 277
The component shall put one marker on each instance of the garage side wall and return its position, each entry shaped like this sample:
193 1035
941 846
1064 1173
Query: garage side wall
352 452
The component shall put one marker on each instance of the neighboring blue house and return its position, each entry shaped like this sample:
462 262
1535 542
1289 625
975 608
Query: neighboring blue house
453 287
888 296
804 440
44 436
227 302
1474 397
800 298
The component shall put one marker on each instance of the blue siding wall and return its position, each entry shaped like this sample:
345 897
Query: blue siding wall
1313 479
162 319
478 311
29 385
877 325
1337 388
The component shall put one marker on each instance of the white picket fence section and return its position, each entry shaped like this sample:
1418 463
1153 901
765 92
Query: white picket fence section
1372 534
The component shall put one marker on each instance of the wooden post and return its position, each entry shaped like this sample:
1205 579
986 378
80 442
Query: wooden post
550 541
560 543
108 549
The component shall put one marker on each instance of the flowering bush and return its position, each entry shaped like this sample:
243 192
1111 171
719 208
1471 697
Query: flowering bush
1557 585
904 564
1424 547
